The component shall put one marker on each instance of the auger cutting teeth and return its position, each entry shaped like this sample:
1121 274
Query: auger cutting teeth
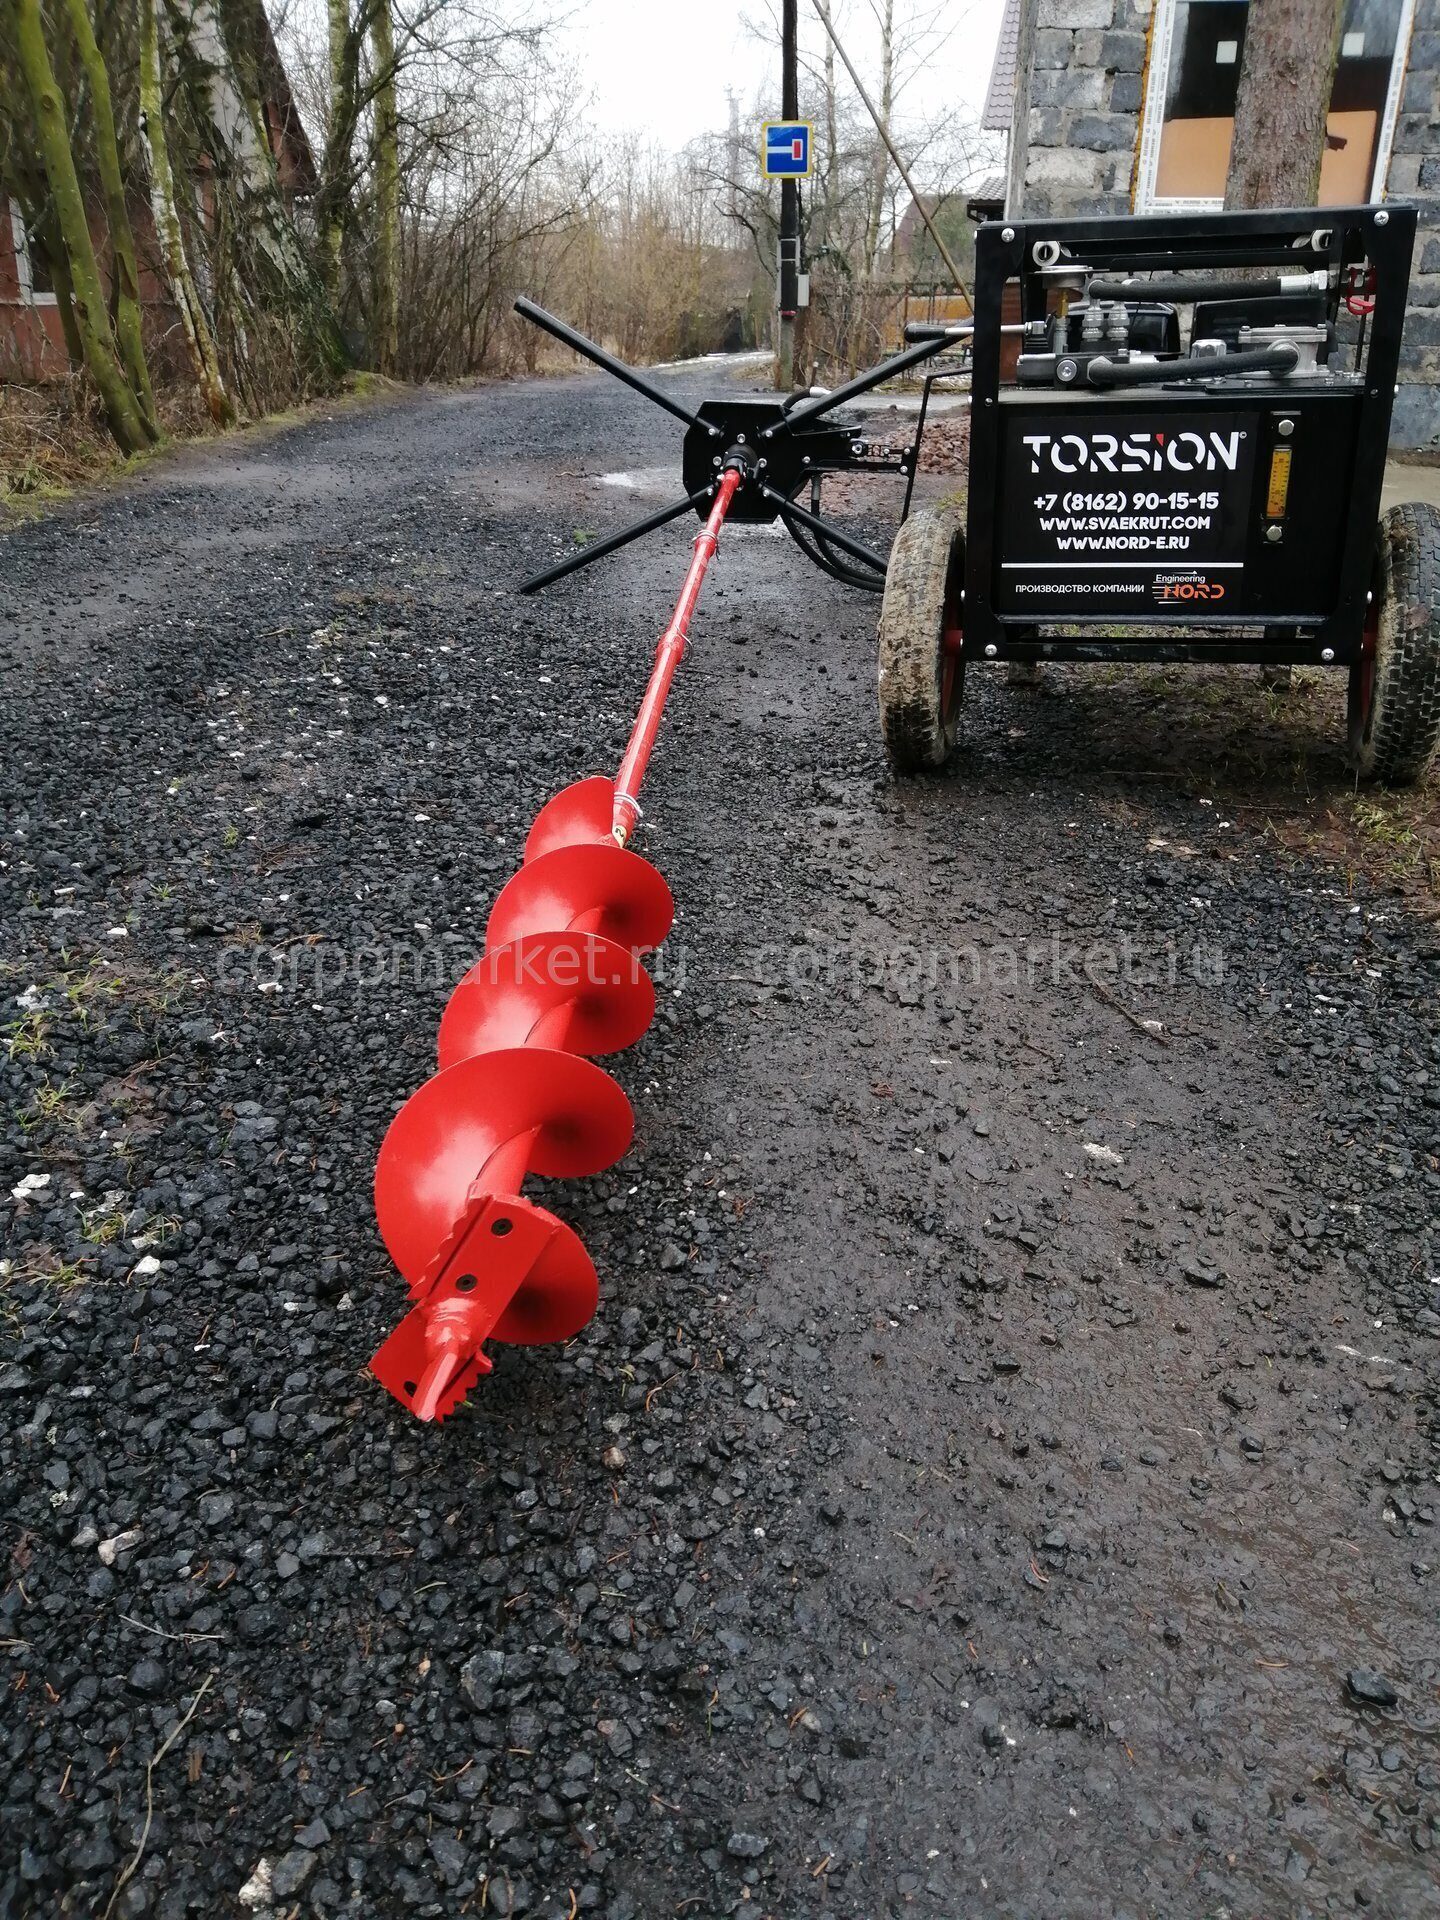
539 1286
483 1262
480 1127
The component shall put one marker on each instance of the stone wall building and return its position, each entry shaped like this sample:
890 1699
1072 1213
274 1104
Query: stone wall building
1120 106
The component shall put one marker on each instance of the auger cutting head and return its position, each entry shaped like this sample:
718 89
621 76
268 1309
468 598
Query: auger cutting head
560 978
482 1261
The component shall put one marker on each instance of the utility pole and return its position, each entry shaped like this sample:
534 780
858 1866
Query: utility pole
789 201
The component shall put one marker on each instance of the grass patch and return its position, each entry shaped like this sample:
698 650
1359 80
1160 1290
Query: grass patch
49 1105
90 992
158 1231
43 1267
28 1038
102 1226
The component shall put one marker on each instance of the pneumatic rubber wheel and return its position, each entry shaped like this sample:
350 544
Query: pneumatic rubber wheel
1394 717
922 672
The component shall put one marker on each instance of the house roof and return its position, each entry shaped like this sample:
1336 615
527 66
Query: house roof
1000 99
294 156
911 232
989 192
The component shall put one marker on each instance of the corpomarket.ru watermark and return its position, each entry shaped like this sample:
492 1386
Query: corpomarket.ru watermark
1116 961
322 971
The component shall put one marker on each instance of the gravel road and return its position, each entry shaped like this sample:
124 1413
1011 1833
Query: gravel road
1001 1476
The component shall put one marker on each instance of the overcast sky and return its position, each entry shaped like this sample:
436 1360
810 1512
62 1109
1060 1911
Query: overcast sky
662 67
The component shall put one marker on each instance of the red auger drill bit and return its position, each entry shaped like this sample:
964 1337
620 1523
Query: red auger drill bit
560 979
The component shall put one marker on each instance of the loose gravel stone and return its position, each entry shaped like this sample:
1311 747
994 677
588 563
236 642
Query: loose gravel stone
1373 1688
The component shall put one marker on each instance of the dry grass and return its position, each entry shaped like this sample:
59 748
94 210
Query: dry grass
53 439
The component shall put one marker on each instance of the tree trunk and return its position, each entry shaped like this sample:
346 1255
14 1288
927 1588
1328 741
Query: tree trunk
387 191
830 217
122 240
330 211
243 25
1286 72
165 212
91 318
64 294
245 174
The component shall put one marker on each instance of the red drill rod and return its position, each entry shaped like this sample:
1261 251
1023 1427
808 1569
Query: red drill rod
667 659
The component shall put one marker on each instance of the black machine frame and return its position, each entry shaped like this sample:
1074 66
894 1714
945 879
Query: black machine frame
1352 418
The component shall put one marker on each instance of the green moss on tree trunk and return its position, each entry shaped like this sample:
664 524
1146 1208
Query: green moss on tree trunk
92 320
122 240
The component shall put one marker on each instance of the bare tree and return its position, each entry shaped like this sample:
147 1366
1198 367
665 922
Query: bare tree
880 158
387 190
195 322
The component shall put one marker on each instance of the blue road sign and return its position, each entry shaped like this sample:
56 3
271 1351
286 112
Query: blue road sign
785 150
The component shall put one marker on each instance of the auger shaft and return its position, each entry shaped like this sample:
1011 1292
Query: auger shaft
667 658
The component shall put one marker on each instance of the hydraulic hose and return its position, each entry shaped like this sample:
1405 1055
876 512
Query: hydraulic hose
1278 359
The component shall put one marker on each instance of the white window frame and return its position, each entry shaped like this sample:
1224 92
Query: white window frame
24 266
1152 119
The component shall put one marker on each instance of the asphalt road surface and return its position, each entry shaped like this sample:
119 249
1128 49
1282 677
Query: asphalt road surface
1001 1476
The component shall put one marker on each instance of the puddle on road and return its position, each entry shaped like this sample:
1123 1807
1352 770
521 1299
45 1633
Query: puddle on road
639 480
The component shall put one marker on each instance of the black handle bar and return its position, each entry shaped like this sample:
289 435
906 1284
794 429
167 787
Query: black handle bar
577 341
924 330
827 402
